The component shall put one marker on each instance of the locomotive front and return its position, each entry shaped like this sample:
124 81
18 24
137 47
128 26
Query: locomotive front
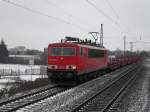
62 61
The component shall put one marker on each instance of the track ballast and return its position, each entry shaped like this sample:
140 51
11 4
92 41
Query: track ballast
22 101
102 100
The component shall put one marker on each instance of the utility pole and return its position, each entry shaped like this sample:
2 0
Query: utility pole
124 38
101 35
131 46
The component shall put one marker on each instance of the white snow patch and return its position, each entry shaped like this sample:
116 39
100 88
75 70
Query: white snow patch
140 102
3 81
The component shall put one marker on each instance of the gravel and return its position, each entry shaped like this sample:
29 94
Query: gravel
136 98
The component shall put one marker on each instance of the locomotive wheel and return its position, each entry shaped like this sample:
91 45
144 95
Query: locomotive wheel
85 77
95 75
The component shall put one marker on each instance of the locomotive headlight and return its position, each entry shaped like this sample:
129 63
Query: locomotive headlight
52 66
74 67
71 67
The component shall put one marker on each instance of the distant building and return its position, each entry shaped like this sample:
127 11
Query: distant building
19 50
25 59
44 56
22 55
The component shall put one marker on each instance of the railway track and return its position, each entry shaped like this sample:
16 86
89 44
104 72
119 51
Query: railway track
35 96
22 101
34 91
106 96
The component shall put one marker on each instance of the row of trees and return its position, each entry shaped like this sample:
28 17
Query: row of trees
3 52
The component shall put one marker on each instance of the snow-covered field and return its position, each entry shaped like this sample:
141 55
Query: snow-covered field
10 73
16 69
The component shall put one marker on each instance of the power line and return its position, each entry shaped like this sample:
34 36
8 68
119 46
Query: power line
35 11
55 5
115 13
101 11
104 14
68 14
42 14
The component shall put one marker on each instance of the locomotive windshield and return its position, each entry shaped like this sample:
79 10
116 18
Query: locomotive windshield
68 51
62 51
55 51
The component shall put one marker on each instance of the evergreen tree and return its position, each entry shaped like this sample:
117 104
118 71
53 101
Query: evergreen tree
3 52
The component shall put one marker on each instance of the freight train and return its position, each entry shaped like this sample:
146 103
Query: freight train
75 60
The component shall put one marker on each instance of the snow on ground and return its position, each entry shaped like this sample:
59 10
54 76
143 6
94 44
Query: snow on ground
2 86
20 69
139 92
10 73
31 77
68 100
136 97
139 96
3 81
9 80
16 67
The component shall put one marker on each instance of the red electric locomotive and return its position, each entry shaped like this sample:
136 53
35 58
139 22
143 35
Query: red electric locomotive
74 59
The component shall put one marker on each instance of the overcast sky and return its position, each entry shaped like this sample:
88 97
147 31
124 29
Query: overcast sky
47 21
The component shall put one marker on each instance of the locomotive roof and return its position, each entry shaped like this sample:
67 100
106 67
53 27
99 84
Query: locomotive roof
76 44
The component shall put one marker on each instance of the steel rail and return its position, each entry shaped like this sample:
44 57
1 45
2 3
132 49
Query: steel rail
122 90
20 103
27 95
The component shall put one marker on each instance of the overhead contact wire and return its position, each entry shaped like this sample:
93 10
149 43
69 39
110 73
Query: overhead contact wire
42 14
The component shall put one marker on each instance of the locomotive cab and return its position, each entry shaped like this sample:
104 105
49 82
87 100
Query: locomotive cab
75 61
62 58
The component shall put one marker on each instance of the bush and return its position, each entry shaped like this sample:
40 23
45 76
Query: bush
24 86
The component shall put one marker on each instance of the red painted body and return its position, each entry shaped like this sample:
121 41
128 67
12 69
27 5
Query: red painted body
83 63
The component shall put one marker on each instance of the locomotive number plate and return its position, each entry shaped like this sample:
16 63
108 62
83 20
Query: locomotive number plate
61 67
